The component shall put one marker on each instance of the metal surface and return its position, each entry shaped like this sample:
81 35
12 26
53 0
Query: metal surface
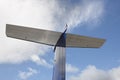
51 37
33 35
83 41
59 67
62 40
59 64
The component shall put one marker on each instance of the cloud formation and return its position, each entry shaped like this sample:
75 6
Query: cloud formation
40 61
92 73
45 14
81 12
71 69
25 75
23 12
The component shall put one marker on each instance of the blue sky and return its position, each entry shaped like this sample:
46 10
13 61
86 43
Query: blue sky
81 61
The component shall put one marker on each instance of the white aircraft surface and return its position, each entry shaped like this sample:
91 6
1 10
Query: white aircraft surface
57 39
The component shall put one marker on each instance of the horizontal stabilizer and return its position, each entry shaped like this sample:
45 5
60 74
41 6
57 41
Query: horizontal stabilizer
32 34
83 41
51 37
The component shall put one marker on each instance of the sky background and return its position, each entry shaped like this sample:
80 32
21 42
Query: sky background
22 60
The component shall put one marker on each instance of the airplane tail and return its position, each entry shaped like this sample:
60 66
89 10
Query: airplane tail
57 39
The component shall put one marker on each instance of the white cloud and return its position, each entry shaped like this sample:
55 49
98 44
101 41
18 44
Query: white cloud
23 12
25 75
71 69
115 73
92 73
40 61
83 12
46 14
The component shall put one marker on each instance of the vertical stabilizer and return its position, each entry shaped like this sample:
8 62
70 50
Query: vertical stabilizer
59 64
60 58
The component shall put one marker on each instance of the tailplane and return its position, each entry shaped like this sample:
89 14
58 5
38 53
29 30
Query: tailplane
52 37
